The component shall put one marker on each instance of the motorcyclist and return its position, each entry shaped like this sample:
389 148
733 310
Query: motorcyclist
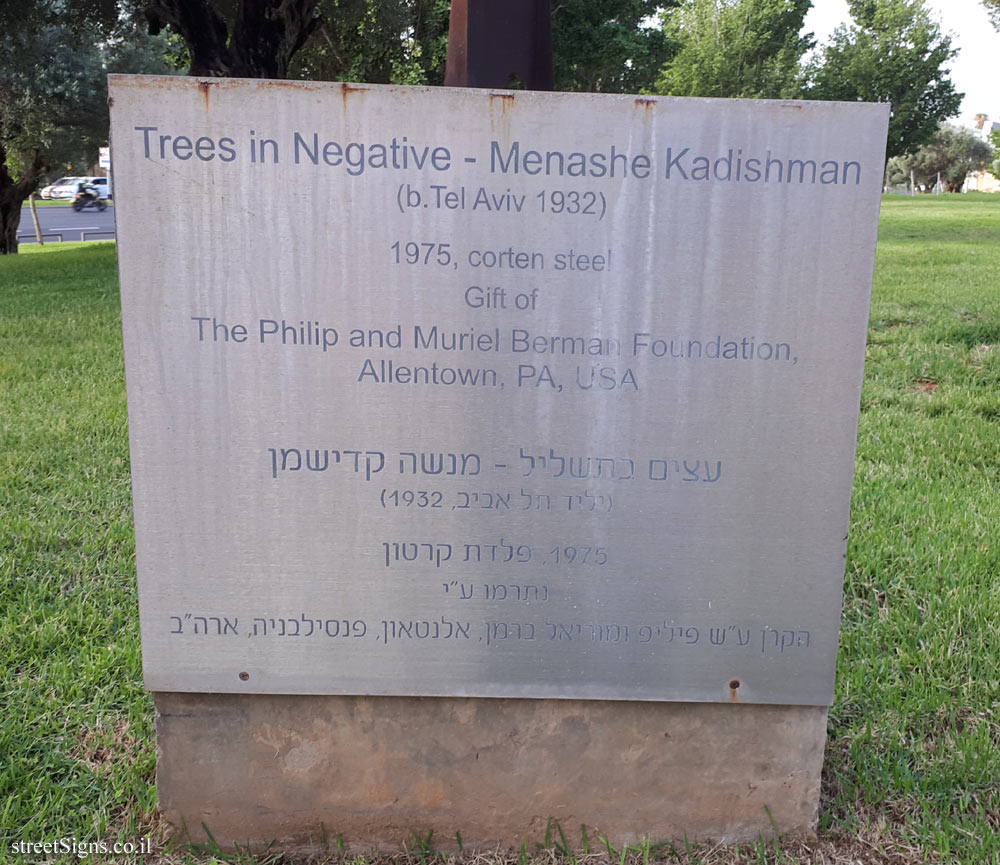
88 190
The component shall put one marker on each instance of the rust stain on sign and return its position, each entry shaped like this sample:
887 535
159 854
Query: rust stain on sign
347 89
205 87
647 103
506 103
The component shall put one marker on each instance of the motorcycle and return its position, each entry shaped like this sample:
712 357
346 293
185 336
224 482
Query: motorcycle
88 199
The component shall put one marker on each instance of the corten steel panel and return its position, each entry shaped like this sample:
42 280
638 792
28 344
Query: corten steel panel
286 772
452 392
495 44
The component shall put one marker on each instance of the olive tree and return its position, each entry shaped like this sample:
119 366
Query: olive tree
950 155
55 112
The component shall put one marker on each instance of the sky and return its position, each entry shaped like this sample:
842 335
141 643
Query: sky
974 72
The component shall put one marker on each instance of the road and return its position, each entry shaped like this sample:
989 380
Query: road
88 224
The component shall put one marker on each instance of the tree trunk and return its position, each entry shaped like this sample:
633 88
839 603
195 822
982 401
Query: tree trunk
12 195
10 219
34 218
267 34
260 43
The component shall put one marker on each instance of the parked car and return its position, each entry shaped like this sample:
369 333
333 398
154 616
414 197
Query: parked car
62 184
64 189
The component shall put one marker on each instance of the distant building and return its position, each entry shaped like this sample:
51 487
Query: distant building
983 127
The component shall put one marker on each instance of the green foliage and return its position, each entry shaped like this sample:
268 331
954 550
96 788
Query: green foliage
377 41
952 154
57 108
423 849
54 114
993 10
598 45
994 167
606 45
52 111
894 52
736 48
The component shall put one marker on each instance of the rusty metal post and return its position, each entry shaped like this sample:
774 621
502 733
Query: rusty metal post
500 43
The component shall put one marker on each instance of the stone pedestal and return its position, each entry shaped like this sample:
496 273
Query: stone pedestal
300 771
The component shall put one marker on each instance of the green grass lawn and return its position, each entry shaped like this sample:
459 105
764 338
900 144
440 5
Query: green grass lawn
913 760
76 747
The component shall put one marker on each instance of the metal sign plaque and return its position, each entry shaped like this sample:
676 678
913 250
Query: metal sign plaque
458 392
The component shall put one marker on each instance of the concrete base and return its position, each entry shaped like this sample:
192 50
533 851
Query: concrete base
301 771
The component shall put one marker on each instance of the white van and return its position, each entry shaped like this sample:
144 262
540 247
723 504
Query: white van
103 185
